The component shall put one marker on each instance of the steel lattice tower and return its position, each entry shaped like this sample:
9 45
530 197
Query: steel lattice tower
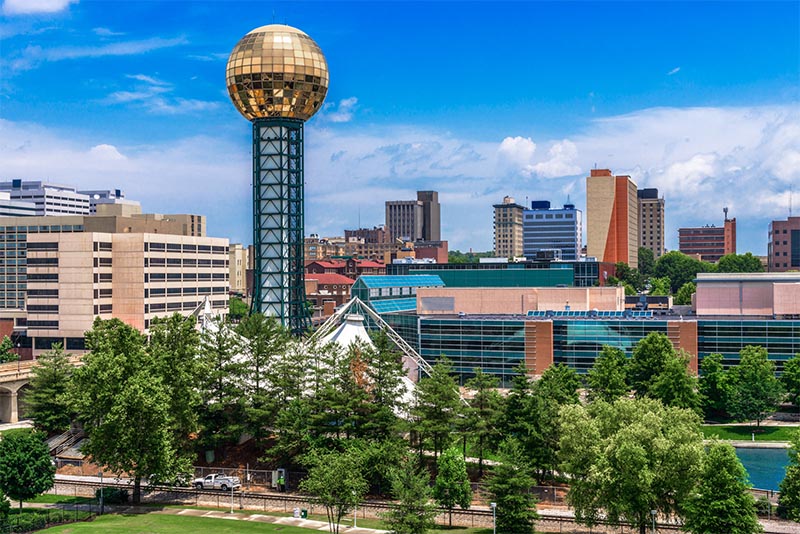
277 78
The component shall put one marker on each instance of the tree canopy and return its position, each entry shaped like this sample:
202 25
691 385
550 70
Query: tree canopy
649 359
684 295
791 379
7 353
414 512
680 268
739 263
509 487
47 403
607 379
627 458
452 486
26 469
789 503
721 501
754 390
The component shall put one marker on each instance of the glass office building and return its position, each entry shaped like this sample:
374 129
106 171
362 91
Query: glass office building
728 337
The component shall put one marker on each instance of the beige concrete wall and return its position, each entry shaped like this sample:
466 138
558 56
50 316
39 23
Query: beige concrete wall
786 299
599 206
734 298
502 301
128 300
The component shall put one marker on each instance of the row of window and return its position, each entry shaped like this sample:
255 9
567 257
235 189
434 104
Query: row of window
177 247
185 262
161 291
178 306
185 277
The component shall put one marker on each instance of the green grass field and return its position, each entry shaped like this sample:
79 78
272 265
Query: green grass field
744 433
170 524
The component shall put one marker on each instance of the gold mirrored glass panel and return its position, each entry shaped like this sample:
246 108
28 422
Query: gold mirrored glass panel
277 71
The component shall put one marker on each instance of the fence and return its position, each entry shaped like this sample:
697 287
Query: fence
33 520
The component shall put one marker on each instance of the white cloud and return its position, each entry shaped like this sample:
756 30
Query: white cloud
700 159
105 32
104 152
517 153
563 155
343 112
31 7
676 70
32 56
155 96
146 79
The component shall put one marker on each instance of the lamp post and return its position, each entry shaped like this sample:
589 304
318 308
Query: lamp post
653 515
100 474
494 517
231 498
355 510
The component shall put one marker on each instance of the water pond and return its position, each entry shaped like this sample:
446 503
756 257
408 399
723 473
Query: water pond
766 467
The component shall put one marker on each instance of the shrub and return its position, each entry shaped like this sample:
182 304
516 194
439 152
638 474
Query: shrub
763 506
112 495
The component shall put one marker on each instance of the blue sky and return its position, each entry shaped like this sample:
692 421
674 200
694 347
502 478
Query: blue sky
476 100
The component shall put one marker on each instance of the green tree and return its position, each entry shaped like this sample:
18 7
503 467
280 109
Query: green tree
628 458
265 340
628 276
649 358
5 507
26 469
221 414
739 263
414 512
713 386
684 295
483 413
237 309
647 262
721 501
510 486
607 379
680 268
452 486
384 375
47 403
7 353
659 286
173 347
789 502
791 379
335 481
124 406
754 390
437 407
676 385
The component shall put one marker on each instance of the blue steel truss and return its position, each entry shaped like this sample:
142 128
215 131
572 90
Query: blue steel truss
278 222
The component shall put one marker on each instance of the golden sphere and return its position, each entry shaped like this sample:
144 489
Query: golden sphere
277 71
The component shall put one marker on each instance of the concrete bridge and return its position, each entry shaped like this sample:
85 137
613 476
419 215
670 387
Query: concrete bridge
15 380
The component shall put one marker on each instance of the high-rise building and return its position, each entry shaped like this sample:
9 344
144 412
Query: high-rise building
709 242
552 229
238 268
414 220
404 219
431 215
277 77
612 218
49 199
62 271
15 208
508 228
783 247
651 221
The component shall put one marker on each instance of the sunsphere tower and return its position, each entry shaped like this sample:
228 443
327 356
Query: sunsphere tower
277 78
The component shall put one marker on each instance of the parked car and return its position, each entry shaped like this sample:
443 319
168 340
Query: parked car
218 481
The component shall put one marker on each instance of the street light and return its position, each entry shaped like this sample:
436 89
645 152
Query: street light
231 498
355 509
100 474
494 517
653 514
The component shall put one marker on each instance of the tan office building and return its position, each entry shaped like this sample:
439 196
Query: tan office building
237 258
651 221
612 218
508 228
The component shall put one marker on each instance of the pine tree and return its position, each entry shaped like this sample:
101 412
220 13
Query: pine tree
414 512
483 413
47 402
510 487
608 376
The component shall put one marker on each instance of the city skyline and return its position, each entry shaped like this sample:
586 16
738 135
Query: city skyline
475 101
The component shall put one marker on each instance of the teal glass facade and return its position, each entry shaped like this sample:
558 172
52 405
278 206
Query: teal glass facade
577 343
780 338
495 346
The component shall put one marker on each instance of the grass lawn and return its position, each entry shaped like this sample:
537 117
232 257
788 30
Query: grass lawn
743 433
170 524
62 499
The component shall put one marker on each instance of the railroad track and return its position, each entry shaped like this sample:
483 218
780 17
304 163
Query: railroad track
276 501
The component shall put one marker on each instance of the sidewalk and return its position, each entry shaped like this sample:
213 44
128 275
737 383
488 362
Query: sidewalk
215 514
